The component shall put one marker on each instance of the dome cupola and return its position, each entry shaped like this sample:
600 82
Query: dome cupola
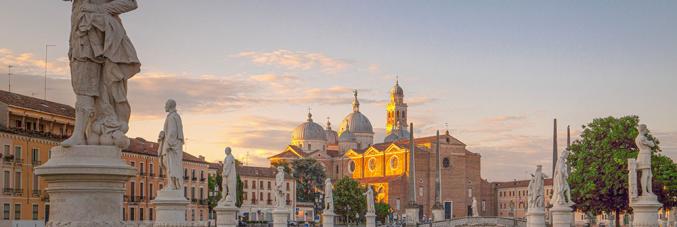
358 124
309 135
332 136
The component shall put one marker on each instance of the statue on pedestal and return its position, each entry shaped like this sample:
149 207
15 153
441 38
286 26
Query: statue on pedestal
645 147
229 180
170 147
560 185
279 188
102 59
370 200
535 190
328 196
475 211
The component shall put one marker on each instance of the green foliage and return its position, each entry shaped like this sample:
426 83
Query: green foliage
348 193
382 211
309 175
598 160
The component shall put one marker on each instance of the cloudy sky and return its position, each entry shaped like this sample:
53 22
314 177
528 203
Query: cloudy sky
244 73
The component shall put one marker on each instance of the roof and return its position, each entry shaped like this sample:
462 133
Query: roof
255 171
519 183
27 102
292 148
215 165
141 146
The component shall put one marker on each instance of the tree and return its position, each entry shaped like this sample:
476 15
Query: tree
309 175
665 180
382 211
348 198
598 160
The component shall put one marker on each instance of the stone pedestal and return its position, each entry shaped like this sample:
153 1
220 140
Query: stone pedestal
280 217
226 216
438 214
170 207
85 185
562 216
536 217
412 216
328 219
371 219
645 211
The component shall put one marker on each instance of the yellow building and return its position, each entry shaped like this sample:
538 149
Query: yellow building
29 128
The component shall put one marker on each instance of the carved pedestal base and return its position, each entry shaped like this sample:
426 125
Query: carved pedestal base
412 216
280 217
562 216
170 208
645 211
226 216
85 185
328 219
536 217
371 219
438 214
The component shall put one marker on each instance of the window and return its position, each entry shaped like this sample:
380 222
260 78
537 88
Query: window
17 154
150 214
309 147
150 191
133 164
261 184
253 184
420 191
140 214
141 189
35 211
124 214
5 211
202 193
287 186
268 185
6 180
445 163
244 196
131 214
35 182
371 164
5 151
17 180
185 191
142 172
17 211
192 215
246 184
18 123
394 162
151 169
351 166
192 192
35 156
484 205
132 187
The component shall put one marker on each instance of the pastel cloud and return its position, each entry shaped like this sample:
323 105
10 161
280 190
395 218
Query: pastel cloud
296 60
27 63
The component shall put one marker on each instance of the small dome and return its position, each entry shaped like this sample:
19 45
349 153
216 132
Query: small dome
332 136
398 133
309 130
397 90
346 136
356 122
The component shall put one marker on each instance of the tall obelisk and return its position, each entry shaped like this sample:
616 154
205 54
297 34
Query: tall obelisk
554 146
438 209
412 207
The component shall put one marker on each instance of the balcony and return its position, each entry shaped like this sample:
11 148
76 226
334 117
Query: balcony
193 200
162 175
7 191
36 162
18 161
151 174
253 201
185 177
203 202
194 178
36 193
18 191
142 173
202 179
269 202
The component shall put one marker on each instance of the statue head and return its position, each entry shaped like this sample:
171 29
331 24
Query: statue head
642 129
539 168
170 105
280 169
227 150
327 181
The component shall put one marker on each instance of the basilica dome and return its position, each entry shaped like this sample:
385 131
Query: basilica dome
309 130
356 122
346 137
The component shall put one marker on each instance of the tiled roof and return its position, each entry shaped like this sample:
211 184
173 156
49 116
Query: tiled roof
142 146
519 183
215 165
27 102
292 147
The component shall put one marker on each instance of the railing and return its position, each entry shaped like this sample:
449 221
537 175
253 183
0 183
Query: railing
478 221
18 191
142 173
202 179
203 202
7 191
18 161
36 193
185 177
36 162
194 178
151 174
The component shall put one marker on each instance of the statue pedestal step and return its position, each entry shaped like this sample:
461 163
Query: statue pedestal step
226 216
328 219
536 217
280 217
412 216
645 211
170 207
561 216
86 185
371 219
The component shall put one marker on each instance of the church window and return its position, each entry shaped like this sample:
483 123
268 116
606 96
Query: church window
309 147
351 166
445 163
337 169
371 164
394 162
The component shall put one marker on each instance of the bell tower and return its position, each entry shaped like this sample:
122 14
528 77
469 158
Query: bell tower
396 109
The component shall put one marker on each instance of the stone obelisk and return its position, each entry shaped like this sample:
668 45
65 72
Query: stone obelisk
438 209
86 174
412 206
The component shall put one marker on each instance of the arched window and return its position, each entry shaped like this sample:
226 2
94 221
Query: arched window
351 166
394 163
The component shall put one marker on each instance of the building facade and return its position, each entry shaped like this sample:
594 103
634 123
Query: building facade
258 192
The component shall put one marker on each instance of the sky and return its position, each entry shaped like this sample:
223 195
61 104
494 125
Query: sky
245 73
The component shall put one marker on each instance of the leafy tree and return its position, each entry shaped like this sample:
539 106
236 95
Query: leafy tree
348 198
213 183
309 175
599 176
382 211
665 180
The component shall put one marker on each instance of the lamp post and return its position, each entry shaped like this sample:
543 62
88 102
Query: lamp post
47 46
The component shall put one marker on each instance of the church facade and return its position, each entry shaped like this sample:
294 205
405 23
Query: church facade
352 152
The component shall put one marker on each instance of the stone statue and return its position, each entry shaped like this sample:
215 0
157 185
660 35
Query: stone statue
370 200
170 147
475 211
328 196
632 179
645 147
279 188
229 181
535 190
560 185
102 59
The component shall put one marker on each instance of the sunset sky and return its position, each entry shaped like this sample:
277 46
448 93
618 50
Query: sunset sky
244 73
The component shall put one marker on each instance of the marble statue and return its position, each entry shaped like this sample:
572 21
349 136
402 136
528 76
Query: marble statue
229 181
632 179
102 59
279 188
370 200
644 159
328 196
475 211
170 147
535 189
560 185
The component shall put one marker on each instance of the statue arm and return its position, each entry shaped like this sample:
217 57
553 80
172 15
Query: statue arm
119 6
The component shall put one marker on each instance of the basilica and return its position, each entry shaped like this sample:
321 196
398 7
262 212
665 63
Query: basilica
351 151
